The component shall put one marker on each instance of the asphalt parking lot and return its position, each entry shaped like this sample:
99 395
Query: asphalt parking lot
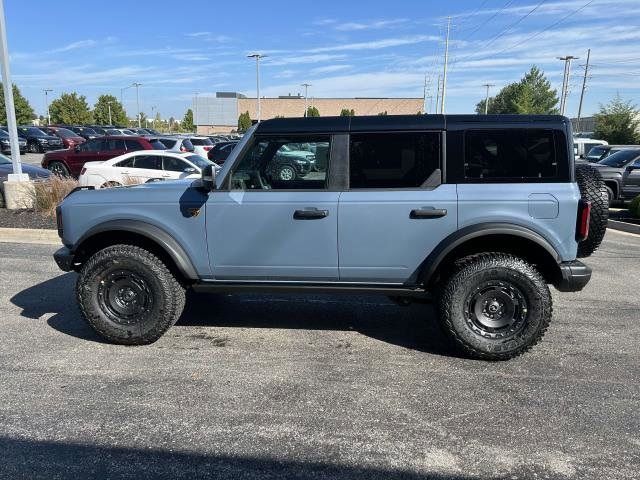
316 387
31 158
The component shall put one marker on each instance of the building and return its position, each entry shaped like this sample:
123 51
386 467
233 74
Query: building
219 114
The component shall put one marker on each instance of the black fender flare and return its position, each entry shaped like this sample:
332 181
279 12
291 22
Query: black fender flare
156 234
459 237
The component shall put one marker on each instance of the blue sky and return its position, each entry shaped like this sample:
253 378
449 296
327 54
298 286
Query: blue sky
344 49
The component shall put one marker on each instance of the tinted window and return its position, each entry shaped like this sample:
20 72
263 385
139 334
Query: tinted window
157 145
167 142
510 154
133 145
114 144
91 146
393 160
173 164
620 158
283 163
150 162
595 152
35 132
201 141
128 163
64 133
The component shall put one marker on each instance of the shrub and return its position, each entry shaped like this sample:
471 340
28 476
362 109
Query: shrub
634 208
47 194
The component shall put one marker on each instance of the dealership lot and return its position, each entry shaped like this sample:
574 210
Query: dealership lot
256 386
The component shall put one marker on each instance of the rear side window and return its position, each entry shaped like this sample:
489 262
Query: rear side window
393 160
168 143
150 162
513 154
114 144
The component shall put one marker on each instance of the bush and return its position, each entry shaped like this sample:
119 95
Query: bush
47 194
634 208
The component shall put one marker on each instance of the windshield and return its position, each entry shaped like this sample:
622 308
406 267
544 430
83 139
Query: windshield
620 159
596 152
128 132
35 132
87 131
201 141
198 161
64 133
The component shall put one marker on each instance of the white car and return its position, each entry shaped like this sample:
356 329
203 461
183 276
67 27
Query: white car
140 167
201 145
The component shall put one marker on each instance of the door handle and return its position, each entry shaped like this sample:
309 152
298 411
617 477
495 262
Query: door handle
428 212
310 214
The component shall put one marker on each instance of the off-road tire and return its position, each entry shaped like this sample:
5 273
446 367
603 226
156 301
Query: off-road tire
593 189
58 168
504 271
141 269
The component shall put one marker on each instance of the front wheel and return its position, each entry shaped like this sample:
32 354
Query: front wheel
495 306
287 173
128 295
33 147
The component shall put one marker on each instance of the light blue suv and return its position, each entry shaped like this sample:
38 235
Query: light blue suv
477 213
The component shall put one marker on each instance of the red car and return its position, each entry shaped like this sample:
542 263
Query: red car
69 162
69 139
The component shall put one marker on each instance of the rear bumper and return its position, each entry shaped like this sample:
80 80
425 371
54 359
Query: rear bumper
64 258
575 275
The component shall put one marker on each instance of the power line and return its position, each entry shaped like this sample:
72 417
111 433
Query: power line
506 5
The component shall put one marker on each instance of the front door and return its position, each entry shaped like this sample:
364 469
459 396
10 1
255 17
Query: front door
275 219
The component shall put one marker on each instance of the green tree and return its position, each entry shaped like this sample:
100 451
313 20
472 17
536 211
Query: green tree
531 95
187 121
345 112
24 112
101 111
383 113
312 112
244 122
618 122
70 108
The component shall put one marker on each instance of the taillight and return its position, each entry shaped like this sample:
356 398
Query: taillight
206 149
83 171
582 224
182 149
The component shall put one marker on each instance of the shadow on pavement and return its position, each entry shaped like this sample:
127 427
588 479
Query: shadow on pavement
43 459
412 326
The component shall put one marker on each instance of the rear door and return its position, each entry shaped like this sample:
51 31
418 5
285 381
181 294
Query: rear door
396 209
631 180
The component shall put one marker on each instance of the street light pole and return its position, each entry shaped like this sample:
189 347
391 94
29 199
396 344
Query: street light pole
257 56
8 99
137 85
195 117
109 106
153 116
306 97
486 99
46 103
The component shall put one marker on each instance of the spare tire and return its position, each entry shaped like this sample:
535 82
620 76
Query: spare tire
593 189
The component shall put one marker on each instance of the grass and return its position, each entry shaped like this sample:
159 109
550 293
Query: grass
47 194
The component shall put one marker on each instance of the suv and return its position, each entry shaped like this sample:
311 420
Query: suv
478 213
69 162
621 174
38 141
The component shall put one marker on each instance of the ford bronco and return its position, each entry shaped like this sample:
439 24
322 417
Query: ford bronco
477 213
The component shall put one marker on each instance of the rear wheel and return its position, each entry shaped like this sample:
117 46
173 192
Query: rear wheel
495 306
58 168
128 295
287 173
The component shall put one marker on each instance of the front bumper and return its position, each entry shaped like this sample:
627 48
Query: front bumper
64 258
575 275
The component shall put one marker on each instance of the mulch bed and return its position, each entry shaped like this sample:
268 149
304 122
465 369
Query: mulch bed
25 219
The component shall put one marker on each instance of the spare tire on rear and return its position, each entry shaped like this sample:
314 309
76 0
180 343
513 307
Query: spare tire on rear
593 189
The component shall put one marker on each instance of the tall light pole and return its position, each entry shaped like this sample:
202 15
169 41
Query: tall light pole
257 56
584 87
446 64
195 116
565 81
109 106
8 99
46 103
153 116
486 98
137 85
306 97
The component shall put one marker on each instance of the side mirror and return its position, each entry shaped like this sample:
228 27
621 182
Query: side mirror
76 148
209 178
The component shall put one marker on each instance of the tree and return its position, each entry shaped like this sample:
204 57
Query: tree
101 111
244 122
187 121
617 122
312 112
383 113
70 108
531 95
24 112
345 112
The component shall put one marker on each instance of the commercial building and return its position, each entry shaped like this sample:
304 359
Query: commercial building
219 114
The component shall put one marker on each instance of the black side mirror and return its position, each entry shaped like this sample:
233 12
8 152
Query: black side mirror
209 178
76 148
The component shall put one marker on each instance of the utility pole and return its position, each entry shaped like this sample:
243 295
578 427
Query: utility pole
584 87
257 56
486 99
446 62
137 85
7 86
438 94
306 97
46 103
109 106
195 117
565 82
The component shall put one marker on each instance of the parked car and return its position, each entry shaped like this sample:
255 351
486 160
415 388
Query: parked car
101 129
6 167
85 132
177 144
484 226
603 151
5 142
70 162
201 145
140 167
38 141
69 138
121 131
620 179
581 146
220 151
152 131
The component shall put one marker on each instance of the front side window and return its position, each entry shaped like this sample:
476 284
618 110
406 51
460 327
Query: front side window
393 160
514 154
283 163
173 164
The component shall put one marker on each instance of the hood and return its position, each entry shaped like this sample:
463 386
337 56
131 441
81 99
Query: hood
33 171
607 171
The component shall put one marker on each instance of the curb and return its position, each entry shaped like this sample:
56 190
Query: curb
623 227
29 235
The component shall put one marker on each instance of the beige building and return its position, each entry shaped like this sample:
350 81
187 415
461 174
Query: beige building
219 114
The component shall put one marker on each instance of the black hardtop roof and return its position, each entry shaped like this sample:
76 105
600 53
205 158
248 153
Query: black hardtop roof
400 122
